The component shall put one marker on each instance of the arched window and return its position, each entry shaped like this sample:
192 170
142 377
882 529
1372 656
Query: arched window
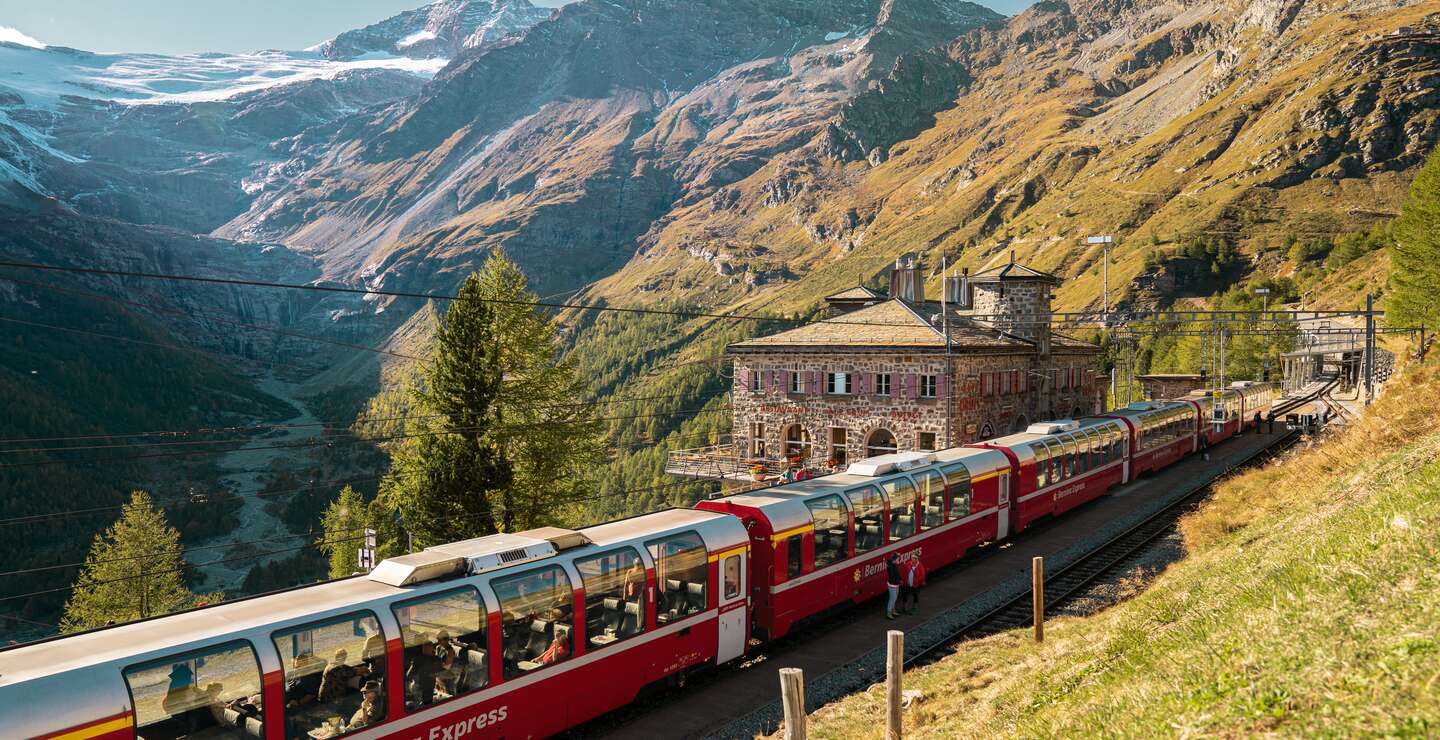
1020 425
1077 413
880 442
797 441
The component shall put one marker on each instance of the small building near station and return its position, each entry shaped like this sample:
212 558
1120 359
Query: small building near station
896 372
1172 385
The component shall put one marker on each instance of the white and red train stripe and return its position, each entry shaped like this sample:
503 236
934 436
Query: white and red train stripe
772 558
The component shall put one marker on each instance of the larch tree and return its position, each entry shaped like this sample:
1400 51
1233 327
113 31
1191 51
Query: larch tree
549 430
343 524
134 570
443 477
1415 256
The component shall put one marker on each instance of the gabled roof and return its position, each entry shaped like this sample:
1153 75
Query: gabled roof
1013 270
898 324
857 293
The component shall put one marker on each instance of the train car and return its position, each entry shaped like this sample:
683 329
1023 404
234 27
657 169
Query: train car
1062 464
1211 428
1256 398
1160 433
823 542
516 635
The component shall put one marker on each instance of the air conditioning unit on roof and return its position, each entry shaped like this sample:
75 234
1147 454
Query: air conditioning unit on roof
897 462
1053 427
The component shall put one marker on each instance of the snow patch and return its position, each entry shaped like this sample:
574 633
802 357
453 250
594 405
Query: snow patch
415 38
10 35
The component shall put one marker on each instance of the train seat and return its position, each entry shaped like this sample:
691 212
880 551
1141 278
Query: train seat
476 671
539 640
694 598
903 526
630 623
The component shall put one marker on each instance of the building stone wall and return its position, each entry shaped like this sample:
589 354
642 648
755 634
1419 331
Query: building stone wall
1020 307
976 400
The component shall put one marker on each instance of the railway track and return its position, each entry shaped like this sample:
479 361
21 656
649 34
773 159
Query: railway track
1075 578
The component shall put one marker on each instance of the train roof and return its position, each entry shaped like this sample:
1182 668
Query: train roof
228 620
784 506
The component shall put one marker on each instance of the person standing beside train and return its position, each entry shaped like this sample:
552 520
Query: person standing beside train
910 589
892 584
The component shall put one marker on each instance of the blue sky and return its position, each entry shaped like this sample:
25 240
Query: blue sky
183 26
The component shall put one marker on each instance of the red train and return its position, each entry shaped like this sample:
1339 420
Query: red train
525 635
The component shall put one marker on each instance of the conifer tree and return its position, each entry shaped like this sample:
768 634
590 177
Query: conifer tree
1415 258
133 571
549 433
343 524
443 478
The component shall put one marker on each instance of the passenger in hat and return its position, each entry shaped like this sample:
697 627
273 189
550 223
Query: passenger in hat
371 710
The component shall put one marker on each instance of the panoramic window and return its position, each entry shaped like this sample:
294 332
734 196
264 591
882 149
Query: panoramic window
957 480
869 518
831 525
537 610
903 519
210 693
445 652
682 576
330 684
614 585
931 495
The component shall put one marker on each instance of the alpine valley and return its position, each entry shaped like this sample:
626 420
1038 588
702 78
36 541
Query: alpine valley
715 155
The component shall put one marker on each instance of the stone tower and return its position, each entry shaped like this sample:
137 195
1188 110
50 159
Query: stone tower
1015 299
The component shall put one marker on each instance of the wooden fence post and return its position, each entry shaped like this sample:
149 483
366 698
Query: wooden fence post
894 670
792 697
1037 589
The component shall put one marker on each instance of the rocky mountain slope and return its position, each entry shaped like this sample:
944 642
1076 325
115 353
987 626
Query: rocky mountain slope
442 29
566 143
1249 120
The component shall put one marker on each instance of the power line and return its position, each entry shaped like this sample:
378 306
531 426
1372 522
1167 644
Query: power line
213 317
333 442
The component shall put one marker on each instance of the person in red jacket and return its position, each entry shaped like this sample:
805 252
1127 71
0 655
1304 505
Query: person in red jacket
914 578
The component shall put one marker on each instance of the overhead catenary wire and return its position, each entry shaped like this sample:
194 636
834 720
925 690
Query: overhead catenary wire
332 442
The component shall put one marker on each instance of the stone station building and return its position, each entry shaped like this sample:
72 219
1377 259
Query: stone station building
886 373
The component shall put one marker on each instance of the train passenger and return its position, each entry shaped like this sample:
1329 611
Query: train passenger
910 589
1258 430
182 695
555 653
892 584
335 680
371 709
304 685
423 669
374 653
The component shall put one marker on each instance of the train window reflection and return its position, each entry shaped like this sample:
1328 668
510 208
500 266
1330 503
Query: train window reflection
869 518
330 686
903 507
208 693
446 653
537 610
831 536
794 558
931 495
682 576
957 479
614 596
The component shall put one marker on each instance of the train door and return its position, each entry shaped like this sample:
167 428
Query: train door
733 614
1002 526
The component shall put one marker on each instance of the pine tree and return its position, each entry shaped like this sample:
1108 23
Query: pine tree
550 432
343 524
1415 258
443 478
134 571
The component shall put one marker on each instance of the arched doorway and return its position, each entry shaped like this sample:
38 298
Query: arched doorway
1020 425
1077 413
797 442
880 442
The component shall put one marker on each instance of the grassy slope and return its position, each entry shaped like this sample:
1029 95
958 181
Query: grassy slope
1308 605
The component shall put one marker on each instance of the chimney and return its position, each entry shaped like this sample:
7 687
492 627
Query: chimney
905 280
957 289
